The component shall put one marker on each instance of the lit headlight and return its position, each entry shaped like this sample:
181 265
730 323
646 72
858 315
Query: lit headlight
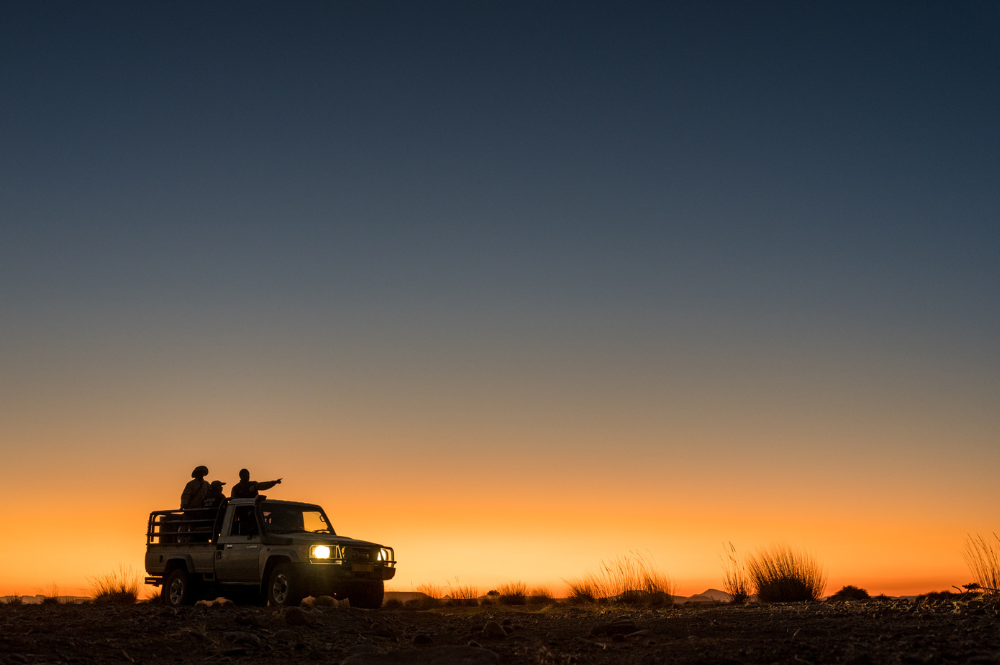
383 555
320 552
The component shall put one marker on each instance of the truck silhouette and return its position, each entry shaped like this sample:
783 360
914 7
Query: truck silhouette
257 551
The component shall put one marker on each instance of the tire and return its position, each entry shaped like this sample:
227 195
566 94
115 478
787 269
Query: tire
367 595
284 588
178 590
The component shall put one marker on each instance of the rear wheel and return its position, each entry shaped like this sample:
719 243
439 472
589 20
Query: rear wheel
367 595
178 589
284 588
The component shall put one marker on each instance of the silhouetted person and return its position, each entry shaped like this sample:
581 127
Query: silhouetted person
195 491
248 489
215 495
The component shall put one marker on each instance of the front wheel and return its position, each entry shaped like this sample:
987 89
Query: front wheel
284 588
367 595
178 589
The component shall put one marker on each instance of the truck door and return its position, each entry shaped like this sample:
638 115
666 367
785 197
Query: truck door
238 557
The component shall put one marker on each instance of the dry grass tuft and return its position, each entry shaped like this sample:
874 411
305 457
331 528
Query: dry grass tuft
463 595
14 599
735 580
582 591
53 597
539 595
629 579
780 575
119 587
513 593
983 559
431 591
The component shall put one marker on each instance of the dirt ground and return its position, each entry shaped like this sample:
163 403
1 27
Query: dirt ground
897 631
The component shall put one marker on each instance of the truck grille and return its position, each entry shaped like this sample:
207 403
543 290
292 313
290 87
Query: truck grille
361 554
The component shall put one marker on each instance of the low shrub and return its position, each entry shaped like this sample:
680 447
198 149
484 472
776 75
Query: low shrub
513 593
119 587
735 579
539 596
851 592
393 604
781 575
983 558
14 599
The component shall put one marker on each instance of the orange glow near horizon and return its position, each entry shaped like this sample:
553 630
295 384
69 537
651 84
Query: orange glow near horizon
492 481
494 535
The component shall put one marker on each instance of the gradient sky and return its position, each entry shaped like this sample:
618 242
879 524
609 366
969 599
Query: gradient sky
514 287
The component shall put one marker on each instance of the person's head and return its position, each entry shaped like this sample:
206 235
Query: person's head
199 472
244 475
217 485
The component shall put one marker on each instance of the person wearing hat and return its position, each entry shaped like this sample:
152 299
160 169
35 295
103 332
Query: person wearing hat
195 491
215 495
248 489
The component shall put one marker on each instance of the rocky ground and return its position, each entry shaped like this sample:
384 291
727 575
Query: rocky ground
897 631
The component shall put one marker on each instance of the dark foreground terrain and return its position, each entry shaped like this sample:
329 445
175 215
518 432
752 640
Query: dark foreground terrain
899 631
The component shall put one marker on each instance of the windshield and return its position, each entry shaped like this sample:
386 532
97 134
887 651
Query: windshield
295 519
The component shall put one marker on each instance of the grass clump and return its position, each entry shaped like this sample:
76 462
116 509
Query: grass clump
120 587
14 599
539 596
431 591
781 575
463 595
630 579
983 558
735 579
433 595
582 591
513 593
851 592
935 596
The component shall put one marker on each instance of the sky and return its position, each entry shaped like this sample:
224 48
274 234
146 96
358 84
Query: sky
513 287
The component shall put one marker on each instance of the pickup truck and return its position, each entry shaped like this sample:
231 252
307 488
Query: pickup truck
261 550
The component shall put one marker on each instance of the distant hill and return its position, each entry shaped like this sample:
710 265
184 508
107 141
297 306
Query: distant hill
707 596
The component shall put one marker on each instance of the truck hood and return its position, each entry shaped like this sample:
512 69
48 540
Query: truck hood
323 539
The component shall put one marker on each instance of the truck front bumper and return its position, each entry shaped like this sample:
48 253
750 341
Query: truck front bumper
323 579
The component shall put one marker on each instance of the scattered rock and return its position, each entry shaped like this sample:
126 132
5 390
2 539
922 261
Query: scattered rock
296 616
322 601
243 639
493 631
219 602
422 638
285 635
444 655
614 628
384 631
250 620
